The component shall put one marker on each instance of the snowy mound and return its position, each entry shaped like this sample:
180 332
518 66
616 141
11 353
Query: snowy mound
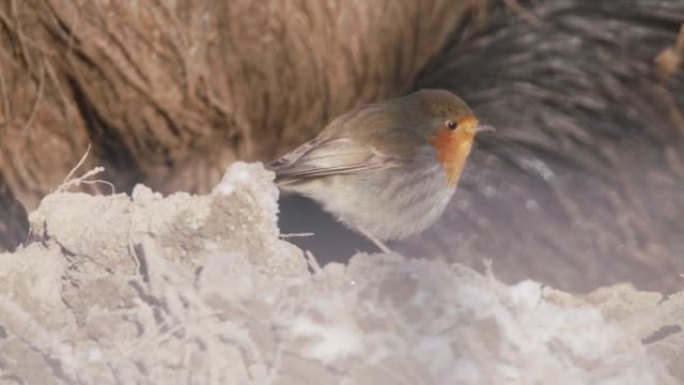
201 289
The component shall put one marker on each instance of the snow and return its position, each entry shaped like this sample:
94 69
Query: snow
200 289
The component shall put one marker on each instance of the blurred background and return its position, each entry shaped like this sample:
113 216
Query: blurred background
582 186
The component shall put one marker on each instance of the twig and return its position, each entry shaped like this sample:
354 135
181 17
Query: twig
83 179
296 235
78 165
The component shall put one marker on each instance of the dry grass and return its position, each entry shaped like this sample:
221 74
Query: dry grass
171 92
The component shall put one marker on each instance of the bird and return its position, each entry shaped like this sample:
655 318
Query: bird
387 169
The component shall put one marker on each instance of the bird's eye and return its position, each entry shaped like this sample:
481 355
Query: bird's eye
451 125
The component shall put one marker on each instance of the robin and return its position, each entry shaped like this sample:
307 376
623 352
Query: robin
387 169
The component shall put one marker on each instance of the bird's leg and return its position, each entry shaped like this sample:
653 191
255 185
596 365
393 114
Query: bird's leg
381 245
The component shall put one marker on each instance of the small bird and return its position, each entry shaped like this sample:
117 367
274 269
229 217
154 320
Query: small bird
387 169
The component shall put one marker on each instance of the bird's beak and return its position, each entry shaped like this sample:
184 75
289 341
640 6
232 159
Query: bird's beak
484 128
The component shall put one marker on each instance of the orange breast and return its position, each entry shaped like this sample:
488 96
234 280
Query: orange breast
453 148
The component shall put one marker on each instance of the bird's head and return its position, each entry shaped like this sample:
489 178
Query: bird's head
450 128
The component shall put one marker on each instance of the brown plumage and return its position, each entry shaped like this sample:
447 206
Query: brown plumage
386 169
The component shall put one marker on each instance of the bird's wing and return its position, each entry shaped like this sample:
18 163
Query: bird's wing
330 156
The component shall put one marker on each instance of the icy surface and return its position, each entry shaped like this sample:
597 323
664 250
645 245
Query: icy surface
200 289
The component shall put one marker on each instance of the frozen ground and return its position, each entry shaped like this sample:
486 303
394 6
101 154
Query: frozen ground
203 290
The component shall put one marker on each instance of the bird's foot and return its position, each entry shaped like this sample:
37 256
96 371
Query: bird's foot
380 244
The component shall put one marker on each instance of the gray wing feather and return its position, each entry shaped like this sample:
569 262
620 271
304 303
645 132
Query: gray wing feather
324 157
